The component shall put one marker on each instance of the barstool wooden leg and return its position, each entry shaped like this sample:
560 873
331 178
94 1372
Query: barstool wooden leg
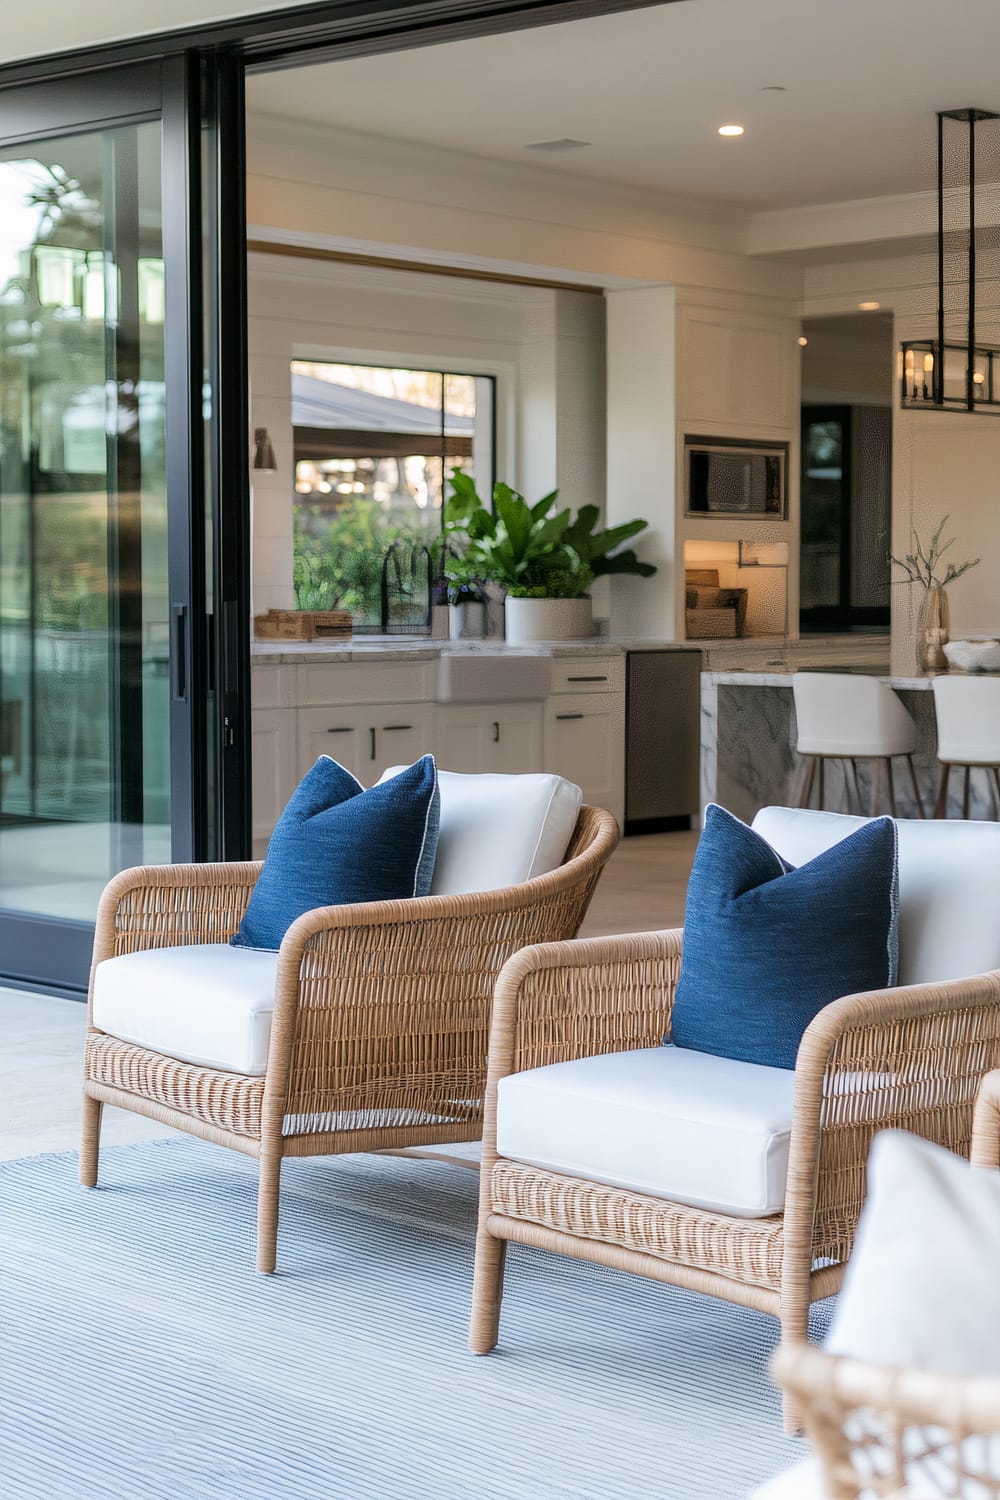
822 771
916 787
857 788
805 796
892 785
941 805
996 787
965 792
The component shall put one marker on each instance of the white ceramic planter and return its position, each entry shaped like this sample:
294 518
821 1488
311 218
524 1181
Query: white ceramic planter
548 620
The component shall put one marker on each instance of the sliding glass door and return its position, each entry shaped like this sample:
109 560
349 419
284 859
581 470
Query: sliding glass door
97 761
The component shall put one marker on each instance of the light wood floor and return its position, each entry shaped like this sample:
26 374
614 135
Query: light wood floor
42 1037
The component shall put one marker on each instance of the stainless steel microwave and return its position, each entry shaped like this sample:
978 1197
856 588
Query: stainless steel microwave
726 477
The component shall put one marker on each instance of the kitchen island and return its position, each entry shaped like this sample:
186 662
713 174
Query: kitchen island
748 760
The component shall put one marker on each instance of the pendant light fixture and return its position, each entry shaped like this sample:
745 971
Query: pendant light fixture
953 370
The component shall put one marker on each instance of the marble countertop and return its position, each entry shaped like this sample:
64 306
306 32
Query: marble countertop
781 679
840 651
421 648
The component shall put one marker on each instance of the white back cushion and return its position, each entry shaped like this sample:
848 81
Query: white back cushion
949 885
500 830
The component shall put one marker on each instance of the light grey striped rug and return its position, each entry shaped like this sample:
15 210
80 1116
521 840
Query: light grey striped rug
142 1358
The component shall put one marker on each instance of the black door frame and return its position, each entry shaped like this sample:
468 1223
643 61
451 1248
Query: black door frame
200 74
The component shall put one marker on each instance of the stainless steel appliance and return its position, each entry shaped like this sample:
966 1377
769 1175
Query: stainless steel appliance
662 739
735 477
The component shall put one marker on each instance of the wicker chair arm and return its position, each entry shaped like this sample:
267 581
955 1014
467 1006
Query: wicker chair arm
166 906
849 1406
986 1124
910 1058
560 1001
391 1000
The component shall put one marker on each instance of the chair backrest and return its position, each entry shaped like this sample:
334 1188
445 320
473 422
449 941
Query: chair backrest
968 719
843 713
500 830
949 885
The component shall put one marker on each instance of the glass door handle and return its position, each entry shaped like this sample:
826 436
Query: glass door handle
178 652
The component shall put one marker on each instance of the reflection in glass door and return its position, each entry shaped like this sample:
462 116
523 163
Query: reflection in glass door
84 602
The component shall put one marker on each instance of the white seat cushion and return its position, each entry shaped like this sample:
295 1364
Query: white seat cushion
664 1121
498 831
949 880
208 1003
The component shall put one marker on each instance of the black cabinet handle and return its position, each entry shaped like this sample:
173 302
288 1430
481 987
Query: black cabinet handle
372 733
389 728
496 732
342 729
569 716
587 679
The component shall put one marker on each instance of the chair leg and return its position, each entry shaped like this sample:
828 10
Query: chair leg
857 788
822 774
941 805
876 788
268 1189
794 1330
90 1140
892 785
807 786
916 787
487 1292
965 792
996 787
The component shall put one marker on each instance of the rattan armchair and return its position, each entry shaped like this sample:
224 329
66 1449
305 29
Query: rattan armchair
878 1431
909 1057
381 1013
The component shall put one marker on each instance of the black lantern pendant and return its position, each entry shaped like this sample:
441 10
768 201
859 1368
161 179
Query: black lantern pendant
942 373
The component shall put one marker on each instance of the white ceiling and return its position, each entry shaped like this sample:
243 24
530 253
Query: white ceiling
648 88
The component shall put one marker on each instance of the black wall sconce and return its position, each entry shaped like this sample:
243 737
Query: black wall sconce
264 461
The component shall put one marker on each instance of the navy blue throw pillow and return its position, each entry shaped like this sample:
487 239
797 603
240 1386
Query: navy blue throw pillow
767 946
336 844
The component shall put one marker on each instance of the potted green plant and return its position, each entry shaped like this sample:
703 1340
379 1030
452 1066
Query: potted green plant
467 602
545 560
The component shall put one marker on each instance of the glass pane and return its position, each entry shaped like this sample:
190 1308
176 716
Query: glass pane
373 450
84 680
822 513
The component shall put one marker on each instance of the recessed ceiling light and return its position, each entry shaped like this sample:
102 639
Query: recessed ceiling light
802 341
563 143
730 129
869 306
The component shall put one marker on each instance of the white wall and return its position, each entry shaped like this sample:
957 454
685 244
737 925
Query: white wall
545 347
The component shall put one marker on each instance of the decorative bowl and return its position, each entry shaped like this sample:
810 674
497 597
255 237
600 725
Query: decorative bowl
973 656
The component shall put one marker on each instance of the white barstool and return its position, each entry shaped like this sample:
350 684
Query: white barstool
968 732
848 717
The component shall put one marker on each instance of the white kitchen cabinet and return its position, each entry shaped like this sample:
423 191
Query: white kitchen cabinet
585 727
480 737
275 771
365 738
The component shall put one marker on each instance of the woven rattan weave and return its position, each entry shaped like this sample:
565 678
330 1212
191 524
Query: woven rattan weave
895 1433
381 1013
910 1058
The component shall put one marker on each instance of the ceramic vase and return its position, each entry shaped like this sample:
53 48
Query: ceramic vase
932 630
467 622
